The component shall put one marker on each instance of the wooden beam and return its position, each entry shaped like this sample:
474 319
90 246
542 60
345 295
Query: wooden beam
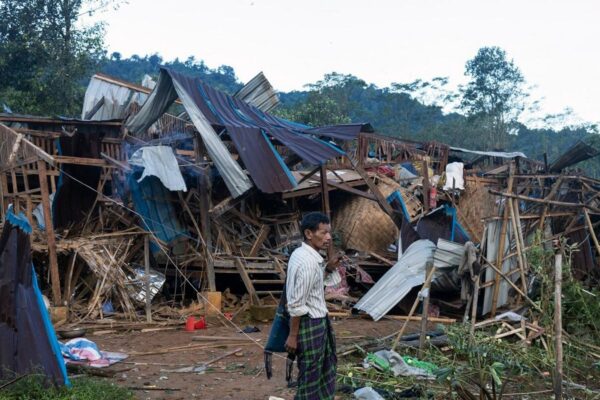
260 239
542 201
324 192
349 189
247 281
95 162
309 175
425 311
95 109
50 238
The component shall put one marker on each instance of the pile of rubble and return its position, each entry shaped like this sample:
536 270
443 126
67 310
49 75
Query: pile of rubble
159 195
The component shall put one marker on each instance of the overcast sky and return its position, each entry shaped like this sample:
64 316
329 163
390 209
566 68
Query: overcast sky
554 43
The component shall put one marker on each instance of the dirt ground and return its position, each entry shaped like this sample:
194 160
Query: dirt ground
240 376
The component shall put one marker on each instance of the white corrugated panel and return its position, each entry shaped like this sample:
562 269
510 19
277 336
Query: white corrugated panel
116 99
407 273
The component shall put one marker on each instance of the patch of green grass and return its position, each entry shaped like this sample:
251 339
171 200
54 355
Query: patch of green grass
84 388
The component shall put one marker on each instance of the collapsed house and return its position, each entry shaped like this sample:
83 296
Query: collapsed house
182 186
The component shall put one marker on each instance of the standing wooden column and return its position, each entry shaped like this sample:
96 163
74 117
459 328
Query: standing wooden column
500 255
325 204
325 192
425 185
3 194
205 192
558 373
424 314
147 278
54 277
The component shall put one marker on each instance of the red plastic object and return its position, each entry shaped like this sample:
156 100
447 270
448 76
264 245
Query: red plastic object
200 324
190 323
228 316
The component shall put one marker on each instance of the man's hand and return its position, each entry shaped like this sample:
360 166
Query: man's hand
334 262
291 344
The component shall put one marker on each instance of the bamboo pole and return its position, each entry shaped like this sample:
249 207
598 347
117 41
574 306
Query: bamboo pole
558 373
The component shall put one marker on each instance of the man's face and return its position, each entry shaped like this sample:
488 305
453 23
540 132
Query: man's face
320 238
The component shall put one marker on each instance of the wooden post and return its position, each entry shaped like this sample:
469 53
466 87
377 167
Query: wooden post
412 310
474 302
425 186
205 191
147 278
590 226
3 194
424 313
500 255
558 373
54 276
325 192
260 239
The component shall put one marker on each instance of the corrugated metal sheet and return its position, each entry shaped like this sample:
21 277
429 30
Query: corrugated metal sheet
407 273
447 254
492 241
117 98
259 93
253 131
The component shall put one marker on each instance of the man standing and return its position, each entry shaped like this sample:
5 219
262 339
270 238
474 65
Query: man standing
311 337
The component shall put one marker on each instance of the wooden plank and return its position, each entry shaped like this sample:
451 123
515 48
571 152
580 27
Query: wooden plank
28 202
558 374
96 162
349 189
147 278
247 281
50 238
15 191
116 163
426 194
500 255
260 239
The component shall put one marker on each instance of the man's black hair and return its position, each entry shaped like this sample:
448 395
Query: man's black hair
312 220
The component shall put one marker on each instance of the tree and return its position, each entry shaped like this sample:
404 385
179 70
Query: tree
494 97
45 53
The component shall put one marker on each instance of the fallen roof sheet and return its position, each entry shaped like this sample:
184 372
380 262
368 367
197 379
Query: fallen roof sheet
253 132
259 93
391 288
109 98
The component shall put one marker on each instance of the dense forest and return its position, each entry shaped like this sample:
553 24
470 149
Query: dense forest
46 60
